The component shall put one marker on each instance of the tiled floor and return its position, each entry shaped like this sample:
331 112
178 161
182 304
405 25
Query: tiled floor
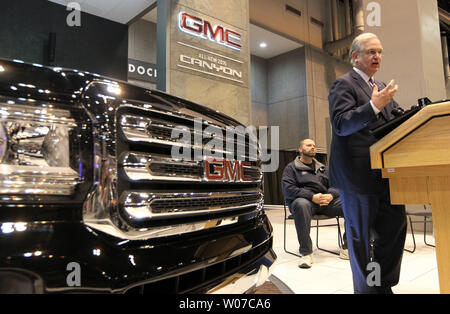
332 275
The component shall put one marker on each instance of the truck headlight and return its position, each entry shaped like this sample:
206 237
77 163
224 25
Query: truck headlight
35 154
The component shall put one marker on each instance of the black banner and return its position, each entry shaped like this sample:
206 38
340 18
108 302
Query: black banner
143 71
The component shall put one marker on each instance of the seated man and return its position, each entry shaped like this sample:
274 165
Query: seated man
307 192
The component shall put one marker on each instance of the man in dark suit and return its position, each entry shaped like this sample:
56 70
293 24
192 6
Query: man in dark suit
376 230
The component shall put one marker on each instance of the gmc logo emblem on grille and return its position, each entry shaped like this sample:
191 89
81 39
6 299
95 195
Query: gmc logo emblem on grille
193 25
225 170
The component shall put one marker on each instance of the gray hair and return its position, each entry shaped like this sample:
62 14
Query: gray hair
358 44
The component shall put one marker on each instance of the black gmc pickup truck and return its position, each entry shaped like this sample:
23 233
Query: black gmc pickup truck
92 199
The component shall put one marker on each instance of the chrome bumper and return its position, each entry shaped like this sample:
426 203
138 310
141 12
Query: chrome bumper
249 279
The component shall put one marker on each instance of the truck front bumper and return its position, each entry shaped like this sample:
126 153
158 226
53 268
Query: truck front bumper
39 256
249 279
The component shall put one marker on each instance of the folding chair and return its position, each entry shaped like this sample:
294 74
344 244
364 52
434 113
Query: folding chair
425 214
317 218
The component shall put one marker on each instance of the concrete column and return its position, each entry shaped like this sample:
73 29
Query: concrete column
204 54
409 33
321 71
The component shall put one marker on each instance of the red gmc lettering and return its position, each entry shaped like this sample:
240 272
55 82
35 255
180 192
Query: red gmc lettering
241 168
209 30
196 22
217 170
232 174
202 28
233 34
225 170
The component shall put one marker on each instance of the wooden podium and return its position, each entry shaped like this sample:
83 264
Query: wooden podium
415 157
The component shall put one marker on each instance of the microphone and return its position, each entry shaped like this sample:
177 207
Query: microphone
397 111
400 116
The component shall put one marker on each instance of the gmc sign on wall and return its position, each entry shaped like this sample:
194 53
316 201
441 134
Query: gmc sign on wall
208 47
193 25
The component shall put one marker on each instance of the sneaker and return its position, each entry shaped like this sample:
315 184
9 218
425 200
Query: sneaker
306 261
343 254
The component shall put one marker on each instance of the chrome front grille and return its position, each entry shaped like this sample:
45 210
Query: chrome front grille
143 166
164 194
175 205
145 129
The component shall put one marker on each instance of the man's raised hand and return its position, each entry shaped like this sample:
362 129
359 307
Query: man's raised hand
382 98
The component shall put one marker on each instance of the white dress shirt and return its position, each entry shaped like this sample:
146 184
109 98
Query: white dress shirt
366 79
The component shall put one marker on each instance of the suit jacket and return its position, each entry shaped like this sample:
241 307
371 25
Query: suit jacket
352 117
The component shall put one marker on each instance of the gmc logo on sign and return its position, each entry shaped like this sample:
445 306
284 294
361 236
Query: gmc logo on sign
193 25
225 170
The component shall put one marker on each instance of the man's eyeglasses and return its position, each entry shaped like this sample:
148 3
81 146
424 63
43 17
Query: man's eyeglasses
373 52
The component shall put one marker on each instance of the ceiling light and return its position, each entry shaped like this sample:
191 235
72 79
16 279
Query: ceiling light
263 45
2 69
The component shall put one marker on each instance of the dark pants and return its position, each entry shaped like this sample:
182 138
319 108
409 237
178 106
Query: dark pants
303 210
372 218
